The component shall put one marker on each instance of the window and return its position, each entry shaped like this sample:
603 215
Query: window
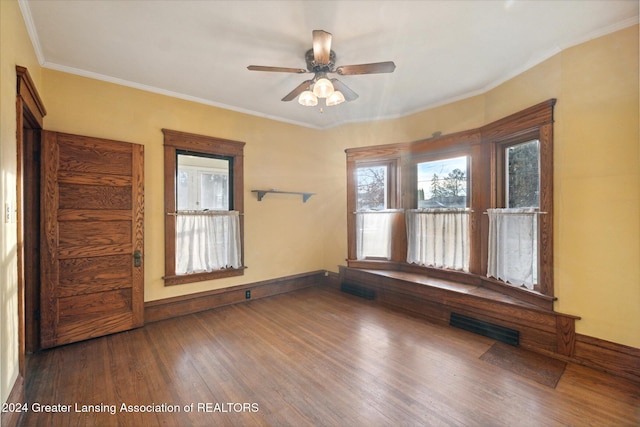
452 185
375 220
203 207
443 183
373 217
203 182
372 187
438 231
513 224
522 175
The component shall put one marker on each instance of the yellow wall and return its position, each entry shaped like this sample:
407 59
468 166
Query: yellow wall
597 173
596 178
597 186
282 234
16 49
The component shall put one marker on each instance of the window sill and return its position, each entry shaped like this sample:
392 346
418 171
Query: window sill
525 295
200 277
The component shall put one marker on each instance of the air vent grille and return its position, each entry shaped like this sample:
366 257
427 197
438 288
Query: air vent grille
500 333
357 290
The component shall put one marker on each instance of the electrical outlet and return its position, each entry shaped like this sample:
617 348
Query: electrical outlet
7 212
247 294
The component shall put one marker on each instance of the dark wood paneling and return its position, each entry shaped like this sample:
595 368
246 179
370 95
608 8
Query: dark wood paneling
545 221
203 143
67 177
83 154
543 331
30 112
566 336
520 122
94 250
28 93
179 306
85 275
90 286
75 233
94 215
331 279
435 298
89 306
99 326
611 357
94 197
443 144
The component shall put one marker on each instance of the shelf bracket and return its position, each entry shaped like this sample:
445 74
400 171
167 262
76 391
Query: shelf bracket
261 194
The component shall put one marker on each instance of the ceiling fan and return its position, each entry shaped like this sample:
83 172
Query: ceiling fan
321 61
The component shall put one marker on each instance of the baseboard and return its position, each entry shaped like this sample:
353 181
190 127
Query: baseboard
17 395
332 280
617 359
179 306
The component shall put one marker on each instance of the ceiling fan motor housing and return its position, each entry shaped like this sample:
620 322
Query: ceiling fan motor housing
315 67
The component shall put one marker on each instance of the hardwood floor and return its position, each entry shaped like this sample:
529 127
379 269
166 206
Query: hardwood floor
313 357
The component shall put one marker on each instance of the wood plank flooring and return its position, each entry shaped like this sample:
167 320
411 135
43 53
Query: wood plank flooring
314 357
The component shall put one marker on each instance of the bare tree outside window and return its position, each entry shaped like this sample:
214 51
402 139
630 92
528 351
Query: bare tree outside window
371 188
443 183
523 175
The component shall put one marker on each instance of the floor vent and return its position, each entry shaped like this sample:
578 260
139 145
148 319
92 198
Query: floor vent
358 291
505 335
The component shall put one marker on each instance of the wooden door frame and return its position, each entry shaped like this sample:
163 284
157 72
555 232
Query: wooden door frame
30 113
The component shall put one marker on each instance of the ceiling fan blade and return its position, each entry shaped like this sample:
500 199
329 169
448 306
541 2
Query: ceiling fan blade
349 95
297 91
276 69
321 46
375 68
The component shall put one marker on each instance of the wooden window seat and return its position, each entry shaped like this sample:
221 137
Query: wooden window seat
540 329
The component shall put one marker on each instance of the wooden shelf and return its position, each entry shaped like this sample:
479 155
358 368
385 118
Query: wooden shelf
261 193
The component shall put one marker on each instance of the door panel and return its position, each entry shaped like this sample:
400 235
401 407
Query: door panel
92 211
94 197
99 233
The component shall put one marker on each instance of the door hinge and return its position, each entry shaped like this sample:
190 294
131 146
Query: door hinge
36 314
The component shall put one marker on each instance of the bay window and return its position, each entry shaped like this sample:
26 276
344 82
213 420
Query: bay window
475 206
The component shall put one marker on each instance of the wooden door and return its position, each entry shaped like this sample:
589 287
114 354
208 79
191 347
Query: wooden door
92 238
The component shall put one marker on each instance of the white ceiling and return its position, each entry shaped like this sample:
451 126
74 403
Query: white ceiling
199 50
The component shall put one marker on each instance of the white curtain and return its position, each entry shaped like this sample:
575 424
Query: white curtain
373 234
438 238
513 246
207 241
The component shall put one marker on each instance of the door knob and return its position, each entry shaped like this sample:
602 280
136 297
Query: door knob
137 258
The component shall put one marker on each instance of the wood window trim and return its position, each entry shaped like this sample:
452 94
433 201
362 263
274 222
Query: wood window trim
182 141
482 145
392 189
535 122
394 156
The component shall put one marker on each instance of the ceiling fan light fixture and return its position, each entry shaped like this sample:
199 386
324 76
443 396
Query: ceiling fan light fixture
308 99
321 61
323 88
335 98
